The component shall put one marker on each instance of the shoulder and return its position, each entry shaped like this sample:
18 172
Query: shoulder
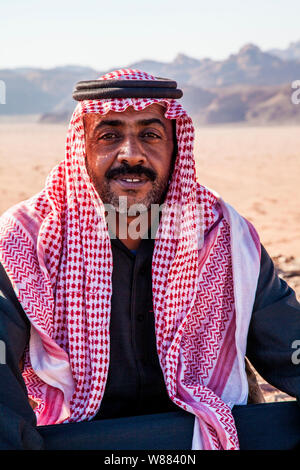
213 209
270 287
23 220
208 209
9 303
19 233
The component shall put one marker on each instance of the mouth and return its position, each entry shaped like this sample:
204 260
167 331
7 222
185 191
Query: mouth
131 182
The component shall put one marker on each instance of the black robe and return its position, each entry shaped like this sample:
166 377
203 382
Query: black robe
135 383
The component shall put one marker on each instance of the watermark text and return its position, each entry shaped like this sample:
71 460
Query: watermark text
296 353
295 98
2 352
2 92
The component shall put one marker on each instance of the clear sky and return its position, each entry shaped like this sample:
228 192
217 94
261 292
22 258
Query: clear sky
113 33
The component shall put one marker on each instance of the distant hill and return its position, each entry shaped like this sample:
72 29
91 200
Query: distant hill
292 52
254 105
250 66
249 86
33 91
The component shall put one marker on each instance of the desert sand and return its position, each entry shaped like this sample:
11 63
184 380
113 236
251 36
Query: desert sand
255 169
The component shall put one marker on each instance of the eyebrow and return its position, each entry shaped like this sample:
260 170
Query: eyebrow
118 123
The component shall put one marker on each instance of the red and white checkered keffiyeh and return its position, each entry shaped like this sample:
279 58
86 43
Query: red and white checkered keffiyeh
56 250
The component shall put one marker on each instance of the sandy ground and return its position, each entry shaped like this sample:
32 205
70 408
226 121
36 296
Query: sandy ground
256 170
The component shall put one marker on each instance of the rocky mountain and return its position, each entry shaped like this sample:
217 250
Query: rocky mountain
35 91
251 104
249 86
250 66
292 52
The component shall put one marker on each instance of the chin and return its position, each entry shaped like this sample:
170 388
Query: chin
122 201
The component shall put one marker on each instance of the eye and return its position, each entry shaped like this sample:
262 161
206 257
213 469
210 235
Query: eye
151 135
109 136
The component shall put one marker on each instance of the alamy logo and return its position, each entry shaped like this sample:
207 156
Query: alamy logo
2 352
2 92
296 354
295 98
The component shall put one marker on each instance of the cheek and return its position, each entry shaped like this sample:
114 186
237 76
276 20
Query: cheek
164 163
98 164
163 171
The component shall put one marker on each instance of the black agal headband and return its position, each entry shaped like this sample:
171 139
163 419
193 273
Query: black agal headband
103 89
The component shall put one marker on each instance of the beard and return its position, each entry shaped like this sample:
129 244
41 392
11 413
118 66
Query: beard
123 204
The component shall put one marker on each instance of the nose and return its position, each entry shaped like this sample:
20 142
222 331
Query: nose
131 152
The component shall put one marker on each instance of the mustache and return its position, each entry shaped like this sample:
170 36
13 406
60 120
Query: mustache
136 170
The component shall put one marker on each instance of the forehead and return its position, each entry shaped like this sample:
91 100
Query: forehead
130 115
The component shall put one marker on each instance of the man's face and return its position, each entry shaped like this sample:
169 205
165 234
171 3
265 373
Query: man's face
129 154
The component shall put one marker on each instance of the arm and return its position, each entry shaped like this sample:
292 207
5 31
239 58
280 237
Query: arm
274 326
17 419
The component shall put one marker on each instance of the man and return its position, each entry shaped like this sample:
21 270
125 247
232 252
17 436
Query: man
105 317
